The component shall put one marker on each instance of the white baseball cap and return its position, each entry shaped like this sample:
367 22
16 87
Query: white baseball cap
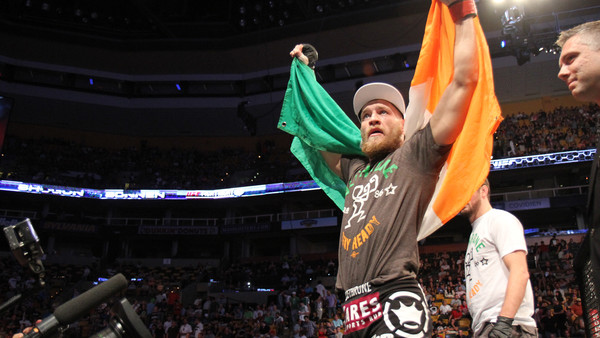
377 91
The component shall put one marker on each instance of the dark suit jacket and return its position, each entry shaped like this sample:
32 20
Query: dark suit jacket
593 211
593 207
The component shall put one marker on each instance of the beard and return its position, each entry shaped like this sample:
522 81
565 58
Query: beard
470 209
379 147
466 212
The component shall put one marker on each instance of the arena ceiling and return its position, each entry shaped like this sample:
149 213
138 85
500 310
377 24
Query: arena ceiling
149 58
202 24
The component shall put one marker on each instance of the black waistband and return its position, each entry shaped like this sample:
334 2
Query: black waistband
368 287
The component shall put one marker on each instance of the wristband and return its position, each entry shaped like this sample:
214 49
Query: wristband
462 9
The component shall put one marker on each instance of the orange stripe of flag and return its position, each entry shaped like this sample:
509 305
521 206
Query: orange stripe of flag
469 159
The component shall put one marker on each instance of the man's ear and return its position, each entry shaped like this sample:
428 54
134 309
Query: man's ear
485 191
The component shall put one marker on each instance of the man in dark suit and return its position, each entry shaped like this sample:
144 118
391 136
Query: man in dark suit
580 69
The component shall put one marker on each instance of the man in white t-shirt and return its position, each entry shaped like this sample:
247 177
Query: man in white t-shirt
167 323
303 311
445 310
198 328
321 290
185 330
499 294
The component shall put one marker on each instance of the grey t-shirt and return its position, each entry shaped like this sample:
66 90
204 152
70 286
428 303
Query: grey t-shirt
384 206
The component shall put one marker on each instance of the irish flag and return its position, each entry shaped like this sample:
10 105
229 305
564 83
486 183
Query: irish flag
469 161
318 123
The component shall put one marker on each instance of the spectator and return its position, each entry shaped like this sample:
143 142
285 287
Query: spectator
321 290
337 322
198 328
185 330
331 301
576 308
309 327
172 331
445 311
456 301
303 311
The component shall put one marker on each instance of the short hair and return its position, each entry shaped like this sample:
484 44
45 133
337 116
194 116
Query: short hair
589 31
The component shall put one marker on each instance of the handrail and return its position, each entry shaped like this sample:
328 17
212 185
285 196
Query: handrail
540 193
289 216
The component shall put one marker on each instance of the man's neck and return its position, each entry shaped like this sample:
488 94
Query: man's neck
378 157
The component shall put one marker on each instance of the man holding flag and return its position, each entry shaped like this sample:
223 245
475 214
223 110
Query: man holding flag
389 169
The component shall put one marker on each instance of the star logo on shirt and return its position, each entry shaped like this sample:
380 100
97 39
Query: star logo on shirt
484 261
390 190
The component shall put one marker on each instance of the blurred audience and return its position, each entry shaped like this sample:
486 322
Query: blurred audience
295 308
564 128
67 163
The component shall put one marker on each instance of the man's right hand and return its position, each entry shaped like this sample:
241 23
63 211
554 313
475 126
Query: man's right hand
297 52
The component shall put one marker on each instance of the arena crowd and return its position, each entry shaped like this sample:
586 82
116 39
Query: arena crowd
67 163
302 305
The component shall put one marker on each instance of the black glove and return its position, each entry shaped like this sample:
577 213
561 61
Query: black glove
502 328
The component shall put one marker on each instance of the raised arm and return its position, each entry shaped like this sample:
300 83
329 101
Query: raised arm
332 159
450 114
297 52
333 162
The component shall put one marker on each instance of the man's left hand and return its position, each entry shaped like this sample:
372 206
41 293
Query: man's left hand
449 2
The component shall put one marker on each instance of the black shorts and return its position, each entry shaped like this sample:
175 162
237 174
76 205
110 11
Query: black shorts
395 309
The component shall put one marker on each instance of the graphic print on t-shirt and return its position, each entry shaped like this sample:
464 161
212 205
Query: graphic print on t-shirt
374 187
475 244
